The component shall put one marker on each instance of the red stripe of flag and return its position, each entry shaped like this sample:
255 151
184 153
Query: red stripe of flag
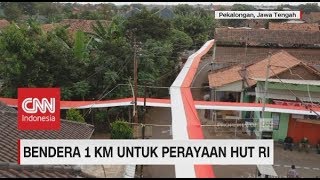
18 151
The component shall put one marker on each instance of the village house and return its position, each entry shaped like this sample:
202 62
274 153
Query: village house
303 93
75 25
236 83
241 62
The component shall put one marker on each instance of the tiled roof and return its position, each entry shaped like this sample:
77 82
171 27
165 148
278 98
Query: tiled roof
49 27
263 37
312 17
294 26
4 107
75 25
9 134
80 24
4 23
11 170
280 62
225 76
231 55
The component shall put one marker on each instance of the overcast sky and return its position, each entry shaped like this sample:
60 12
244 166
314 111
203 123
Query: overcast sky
206 3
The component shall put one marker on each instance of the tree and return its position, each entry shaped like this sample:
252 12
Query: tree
11 10
146 25
237 22
155 60
53 11
108 11
81 89
198 25
74 115
180 41
183 9
28 8
32 58
121 130
309 7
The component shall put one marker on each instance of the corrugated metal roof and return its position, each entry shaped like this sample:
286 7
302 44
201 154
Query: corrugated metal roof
292 81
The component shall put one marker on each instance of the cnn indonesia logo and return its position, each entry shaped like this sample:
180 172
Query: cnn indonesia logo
38 108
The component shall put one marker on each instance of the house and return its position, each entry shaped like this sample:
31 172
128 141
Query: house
294 26
165 13
74 25
297 93
312 17
237 83
267 37
4 23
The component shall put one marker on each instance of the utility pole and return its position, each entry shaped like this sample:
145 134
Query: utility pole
135 77
134 107
266 85
212 90
144 121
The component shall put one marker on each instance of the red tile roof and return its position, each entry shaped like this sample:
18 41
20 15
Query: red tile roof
312 17
75 25
49 27
80 24
262 37
294 26
280 62
4 23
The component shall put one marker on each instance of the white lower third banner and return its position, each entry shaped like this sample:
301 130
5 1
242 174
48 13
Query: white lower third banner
125 152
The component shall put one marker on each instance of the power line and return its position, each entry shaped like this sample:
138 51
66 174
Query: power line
296 95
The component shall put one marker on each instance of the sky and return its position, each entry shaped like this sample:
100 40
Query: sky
205 3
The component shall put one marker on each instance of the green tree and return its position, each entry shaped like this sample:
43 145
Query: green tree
81 89
74 115
183 9
53 11
237 22
309 7
108 11
198 26
32 58
121 130
155 60
180 40
146 25
28 8
11 10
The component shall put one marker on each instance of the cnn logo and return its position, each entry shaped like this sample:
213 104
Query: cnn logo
38 108
36 105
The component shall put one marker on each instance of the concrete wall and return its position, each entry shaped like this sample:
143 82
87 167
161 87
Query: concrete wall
282 132
283 127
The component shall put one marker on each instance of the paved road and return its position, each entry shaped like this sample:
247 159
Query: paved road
158 116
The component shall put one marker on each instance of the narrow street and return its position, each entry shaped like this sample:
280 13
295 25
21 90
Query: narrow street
307 164
158 116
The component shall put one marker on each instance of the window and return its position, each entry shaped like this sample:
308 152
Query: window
276 120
